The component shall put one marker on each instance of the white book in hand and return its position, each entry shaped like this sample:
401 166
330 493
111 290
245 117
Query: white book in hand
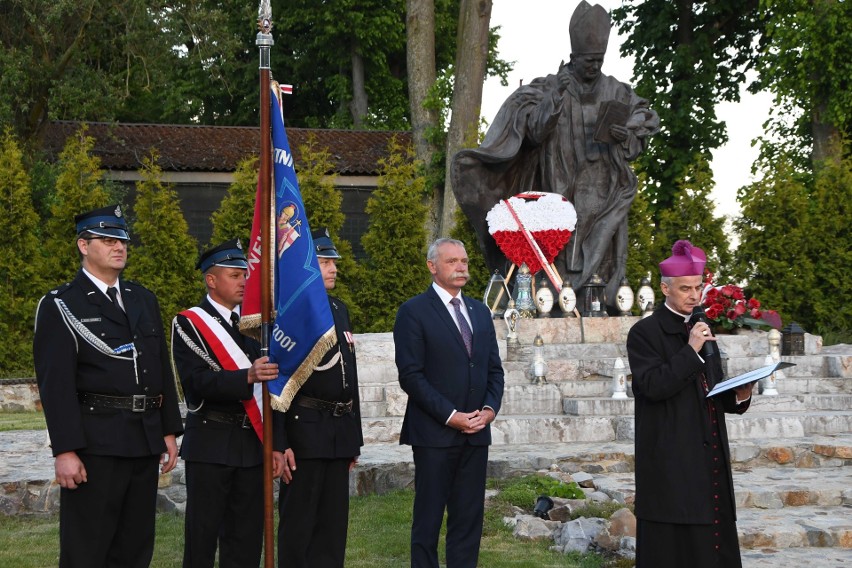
748 377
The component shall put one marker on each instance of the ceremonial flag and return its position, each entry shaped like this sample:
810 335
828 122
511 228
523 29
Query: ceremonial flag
303 330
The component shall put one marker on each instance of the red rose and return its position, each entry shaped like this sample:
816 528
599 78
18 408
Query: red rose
728 290
755 313
739 309
738 293
753 303
713 311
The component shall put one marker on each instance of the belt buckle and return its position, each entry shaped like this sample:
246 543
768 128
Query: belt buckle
246 423
138 403
340 408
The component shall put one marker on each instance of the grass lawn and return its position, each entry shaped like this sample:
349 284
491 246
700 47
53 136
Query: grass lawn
379 529
378 538
27 420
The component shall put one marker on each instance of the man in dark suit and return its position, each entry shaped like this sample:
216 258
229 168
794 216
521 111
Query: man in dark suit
449 365
220 370
109 399
323 440
685 506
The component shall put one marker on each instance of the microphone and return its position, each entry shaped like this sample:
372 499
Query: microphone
709 348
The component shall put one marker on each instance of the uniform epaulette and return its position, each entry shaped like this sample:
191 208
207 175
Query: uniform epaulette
61 289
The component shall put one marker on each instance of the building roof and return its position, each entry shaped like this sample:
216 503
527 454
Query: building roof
181 148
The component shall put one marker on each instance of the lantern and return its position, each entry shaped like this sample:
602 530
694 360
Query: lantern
619 380
496 295
793 340
539 365
593 298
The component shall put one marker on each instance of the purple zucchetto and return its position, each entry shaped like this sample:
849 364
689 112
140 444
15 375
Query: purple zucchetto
686 260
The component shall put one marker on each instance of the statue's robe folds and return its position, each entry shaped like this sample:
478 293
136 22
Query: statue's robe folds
542 139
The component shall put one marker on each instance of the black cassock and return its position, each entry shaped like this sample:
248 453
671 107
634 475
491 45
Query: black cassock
685 505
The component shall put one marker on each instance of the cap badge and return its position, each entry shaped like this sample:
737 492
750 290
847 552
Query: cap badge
118 210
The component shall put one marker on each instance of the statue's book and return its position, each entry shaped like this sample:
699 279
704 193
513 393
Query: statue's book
611 112
749 377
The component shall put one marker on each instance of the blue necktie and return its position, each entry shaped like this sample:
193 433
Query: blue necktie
466 333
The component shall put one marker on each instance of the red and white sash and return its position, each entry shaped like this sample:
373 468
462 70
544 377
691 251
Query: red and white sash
231 357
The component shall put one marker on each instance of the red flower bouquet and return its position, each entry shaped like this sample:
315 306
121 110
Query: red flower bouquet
728 307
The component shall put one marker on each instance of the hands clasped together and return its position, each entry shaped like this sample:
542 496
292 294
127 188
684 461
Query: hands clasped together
471 422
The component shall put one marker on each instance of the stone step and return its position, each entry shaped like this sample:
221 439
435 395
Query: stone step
788 424
797 527
523 397
773 557
608 406
809 452
785 487
816 378
555 428
567 351
821 385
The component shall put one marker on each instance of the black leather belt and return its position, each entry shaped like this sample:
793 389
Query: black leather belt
336 408
136 402
241 420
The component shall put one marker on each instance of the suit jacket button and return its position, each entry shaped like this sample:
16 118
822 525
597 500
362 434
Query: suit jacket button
471 364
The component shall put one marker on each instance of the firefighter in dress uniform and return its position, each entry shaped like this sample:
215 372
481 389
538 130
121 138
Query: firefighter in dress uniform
109 400
222 451
323 440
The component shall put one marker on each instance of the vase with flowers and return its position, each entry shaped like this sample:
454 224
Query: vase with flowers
728 309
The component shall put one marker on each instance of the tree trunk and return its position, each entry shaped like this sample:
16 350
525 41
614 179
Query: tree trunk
420 53
471 60
358 106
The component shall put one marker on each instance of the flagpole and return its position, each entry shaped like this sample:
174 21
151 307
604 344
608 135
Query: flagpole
264 42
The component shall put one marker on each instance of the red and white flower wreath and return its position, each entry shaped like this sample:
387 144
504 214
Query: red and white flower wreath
549 217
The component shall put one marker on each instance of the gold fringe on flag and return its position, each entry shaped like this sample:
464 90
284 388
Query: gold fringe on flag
303 373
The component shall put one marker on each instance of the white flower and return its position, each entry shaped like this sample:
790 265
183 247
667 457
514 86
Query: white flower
550 211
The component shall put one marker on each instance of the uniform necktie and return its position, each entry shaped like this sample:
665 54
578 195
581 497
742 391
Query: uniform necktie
112 292
235 323
466 333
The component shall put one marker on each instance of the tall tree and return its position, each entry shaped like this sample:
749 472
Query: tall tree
395 242
323 204
775 233
163 254
79 188
813 93
641 231
471 60
831 243
233 218
689 56
22 279
420 52
78 59
347 61
691 217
